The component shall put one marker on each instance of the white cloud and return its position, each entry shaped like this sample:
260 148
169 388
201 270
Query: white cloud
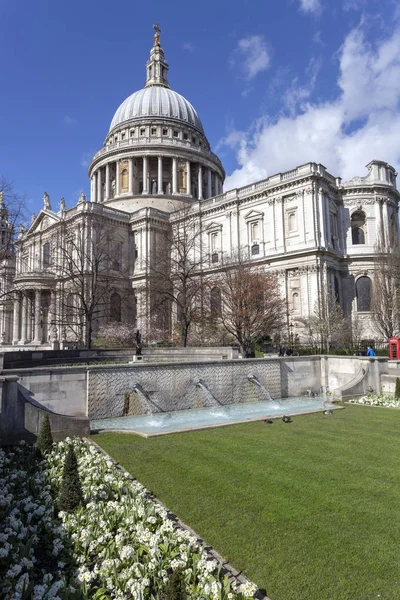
69 120
251 56
313 6
188 46
361 124
86 159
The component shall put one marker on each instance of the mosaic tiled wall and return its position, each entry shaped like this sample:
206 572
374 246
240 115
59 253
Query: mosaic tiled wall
114 391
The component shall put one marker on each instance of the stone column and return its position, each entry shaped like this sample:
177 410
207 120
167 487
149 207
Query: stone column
99 190
216 185
145 172
321 212
17 307
117 182
38 333
174 175
386 227
200 182
209 188
131 176
107 190
24 335
94 181
160 176
188 181
378 221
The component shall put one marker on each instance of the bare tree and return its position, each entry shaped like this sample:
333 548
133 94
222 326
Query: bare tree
176 274
327 323
386 290
93 271
251 304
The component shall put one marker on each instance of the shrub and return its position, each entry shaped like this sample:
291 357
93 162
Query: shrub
70 495
397 389
44 442
176 586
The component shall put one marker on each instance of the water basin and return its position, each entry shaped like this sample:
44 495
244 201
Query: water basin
184 420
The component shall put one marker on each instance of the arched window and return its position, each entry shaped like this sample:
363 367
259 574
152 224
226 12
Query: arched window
358 227
292 222
296 301
124 180
215 303
363 294
336 289
115 307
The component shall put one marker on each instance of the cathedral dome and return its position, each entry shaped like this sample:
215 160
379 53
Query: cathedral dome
156 101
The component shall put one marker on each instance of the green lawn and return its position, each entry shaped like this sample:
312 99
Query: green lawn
308 510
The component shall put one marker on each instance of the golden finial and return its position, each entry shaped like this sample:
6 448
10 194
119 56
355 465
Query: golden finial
1 197
157 30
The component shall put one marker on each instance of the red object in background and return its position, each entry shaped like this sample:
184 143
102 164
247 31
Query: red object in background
394 348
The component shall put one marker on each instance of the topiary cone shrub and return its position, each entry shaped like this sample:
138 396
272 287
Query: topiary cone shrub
70 495
175 588
397 388
44 442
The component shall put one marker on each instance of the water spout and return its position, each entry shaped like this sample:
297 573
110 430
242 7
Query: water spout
147 402
209 397
262 391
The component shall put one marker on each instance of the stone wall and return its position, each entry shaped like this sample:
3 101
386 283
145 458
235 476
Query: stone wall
176 387
21 417
61 390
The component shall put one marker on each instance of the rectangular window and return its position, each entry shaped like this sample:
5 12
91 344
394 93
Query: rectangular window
143 131
176 133
214 241
165 131
153 131
255 232
46 254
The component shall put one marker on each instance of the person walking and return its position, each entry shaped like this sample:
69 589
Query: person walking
371 351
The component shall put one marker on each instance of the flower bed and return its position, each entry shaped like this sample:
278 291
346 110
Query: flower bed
119 545
387 400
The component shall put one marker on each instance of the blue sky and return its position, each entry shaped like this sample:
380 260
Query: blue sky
275 83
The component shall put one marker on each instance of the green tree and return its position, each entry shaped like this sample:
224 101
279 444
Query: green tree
397 389
44 442
70 495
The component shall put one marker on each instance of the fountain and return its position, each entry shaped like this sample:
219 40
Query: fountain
210 399
147 402
263 393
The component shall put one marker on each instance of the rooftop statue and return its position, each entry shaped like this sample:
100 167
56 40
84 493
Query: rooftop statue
82 198
46 201
157 29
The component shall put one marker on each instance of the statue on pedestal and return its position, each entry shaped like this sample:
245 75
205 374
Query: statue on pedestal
82 198
46 201
157 34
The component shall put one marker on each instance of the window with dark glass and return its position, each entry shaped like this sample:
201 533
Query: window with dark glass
46 254
115 307
215 303
358 227
363 294
214 257
255 249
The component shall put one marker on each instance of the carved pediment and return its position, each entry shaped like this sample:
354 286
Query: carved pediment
254 215
214 226
44 220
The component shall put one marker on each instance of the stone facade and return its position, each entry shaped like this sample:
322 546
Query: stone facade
306 226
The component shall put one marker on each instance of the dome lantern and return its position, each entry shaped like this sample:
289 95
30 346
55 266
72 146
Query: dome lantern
157 66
